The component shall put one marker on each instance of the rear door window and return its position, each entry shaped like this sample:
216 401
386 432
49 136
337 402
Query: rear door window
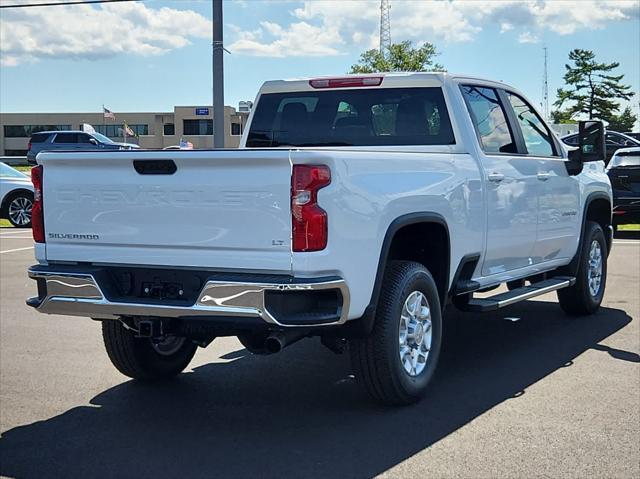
39 137
66 138
352 117
489 119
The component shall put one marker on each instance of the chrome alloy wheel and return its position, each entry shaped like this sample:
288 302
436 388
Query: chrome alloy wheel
415 333
594 273
20 210
168 345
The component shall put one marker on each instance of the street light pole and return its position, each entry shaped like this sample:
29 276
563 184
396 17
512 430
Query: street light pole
218 76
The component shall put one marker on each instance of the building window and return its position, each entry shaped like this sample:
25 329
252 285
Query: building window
236 129
197 127
115 131
15 152
169 129
25 131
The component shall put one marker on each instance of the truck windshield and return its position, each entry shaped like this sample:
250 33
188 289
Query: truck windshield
371 117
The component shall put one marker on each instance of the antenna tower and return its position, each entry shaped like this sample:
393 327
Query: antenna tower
545 88
385 27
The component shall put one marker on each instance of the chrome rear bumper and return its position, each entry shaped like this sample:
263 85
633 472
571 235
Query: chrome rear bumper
79 294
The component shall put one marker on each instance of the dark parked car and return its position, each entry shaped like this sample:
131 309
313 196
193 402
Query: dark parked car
71 140
614 141
624 173
633 134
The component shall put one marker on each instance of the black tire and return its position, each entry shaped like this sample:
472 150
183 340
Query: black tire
26 197
578 300
376 358
138 359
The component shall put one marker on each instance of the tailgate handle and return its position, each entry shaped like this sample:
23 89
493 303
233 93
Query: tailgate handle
155 167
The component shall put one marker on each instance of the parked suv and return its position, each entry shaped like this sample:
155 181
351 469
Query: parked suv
624 173
70 141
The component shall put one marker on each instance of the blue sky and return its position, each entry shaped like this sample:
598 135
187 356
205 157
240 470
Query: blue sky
156 54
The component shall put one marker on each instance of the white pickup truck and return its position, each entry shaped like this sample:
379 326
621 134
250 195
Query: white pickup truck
356 209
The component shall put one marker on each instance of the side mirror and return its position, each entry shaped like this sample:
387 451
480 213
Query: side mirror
591 143
93 141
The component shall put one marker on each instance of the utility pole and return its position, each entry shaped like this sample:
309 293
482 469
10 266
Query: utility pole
385 27
545 88
218 76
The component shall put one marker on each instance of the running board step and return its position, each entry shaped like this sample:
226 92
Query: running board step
502 300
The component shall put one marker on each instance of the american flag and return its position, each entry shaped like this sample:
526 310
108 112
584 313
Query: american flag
108 113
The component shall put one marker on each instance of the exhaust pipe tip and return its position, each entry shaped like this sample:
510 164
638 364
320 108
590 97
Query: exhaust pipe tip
274 344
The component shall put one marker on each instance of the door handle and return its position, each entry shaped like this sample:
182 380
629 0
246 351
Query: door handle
543 175
496 177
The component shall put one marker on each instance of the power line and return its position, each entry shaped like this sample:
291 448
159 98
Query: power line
57 4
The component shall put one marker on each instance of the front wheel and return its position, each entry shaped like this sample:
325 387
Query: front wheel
397 361
585 296
145 358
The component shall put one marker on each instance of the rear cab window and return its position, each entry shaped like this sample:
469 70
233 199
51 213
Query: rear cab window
39 137
352 117
489 119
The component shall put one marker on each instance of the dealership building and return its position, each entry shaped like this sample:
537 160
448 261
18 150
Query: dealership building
153 129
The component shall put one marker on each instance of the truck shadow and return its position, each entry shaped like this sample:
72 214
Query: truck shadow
300 413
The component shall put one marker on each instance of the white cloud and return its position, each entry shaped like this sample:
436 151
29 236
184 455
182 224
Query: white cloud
528 37
87 32
336 24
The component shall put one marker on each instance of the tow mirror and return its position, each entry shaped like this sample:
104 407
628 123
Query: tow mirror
591 144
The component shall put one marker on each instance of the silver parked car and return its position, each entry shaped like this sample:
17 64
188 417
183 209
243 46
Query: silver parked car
16 196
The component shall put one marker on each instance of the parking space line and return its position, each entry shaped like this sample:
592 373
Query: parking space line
16 249
8 233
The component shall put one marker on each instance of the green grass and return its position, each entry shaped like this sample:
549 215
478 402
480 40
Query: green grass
24 169
4 223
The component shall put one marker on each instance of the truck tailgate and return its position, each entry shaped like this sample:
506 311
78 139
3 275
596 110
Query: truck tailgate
226 209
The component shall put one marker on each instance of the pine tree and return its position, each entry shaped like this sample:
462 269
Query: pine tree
591 89
401 57
622 122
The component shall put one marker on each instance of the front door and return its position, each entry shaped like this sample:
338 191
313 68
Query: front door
558 192
511 182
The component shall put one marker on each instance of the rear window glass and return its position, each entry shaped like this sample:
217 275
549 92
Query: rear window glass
376 117
39 137
625 158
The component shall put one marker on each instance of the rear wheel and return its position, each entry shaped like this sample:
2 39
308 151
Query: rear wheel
145 358
586 295
397 361
19 207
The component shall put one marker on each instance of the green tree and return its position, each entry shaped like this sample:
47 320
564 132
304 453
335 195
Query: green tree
401 57
622 122
591 88
560 116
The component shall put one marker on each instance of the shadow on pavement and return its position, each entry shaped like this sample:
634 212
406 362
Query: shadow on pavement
627 235
299 413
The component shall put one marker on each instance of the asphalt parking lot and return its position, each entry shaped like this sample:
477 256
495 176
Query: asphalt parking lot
544 396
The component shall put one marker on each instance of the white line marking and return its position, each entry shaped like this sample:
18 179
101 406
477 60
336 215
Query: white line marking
627 242
8 233
15 237
14 250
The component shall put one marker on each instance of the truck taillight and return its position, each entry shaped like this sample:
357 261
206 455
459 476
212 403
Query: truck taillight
37 213
345 82
309 221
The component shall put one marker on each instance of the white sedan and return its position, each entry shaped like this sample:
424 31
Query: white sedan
16 196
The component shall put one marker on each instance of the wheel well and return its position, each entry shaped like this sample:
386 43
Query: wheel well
599 210
427 244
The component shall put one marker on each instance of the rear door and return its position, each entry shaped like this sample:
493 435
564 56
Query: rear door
227 209
511 182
